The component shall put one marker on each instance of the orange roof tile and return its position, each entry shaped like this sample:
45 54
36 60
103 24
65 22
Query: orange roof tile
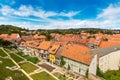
33 44
14 36
91 40
27 38
105 44
54 48
4 35
45 45
77 53
36 36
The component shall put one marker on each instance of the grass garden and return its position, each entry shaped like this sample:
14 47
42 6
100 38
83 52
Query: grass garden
16 58
29 58
2 53
42 76
112 75
28 67
60 76
4 72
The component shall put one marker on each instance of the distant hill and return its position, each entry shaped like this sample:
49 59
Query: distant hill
9 29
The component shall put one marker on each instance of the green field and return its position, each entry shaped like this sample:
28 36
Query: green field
42 76
4 72
112 75
31 59
60 76
16 58
7 50
28 67
2 53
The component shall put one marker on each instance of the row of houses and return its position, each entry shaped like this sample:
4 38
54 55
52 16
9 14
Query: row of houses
79 58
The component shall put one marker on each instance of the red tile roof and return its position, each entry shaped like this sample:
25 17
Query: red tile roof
77 53
54 48
14 35
36 36
105 44
45 45
91 40
3 35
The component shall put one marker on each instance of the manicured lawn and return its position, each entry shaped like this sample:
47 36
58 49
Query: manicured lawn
16 58
28 67
112 75
4 72
2 53
20 53
31 59
60 76
7 62
42 76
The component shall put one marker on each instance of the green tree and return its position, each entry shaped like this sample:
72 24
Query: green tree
68 67
99 72
48 37
62 62
105 39
86 74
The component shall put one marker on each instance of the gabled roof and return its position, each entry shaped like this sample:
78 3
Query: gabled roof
36 36
54 48
107 50
9 37
33 44
27 38
105 44
45 45
14 36
4 35
77 53
91 40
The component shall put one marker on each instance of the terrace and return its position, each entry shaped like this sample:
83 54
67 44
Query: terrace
4 72
28 67
42 76
28 58
16 58
2 53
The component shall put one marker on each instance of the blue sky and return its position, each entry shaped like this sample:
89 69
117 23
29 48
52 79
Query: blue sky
61 14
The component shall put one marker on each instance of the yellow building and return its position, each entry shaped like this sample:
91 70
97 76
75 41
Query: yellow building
53 51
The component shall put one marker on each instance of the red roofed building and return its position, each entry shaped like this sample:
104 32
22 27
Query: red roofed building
105 44
39 37
77 58
44 48
14 36
3 35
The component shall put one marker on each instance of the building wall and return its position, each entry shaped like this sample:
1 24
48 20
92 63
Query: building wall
110 61
52 58
76 67
93 65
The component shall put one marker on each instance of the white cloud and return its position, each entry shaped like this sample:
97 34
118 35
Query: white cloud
111 12
69 14
26 11
6 10
109 18
23 11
